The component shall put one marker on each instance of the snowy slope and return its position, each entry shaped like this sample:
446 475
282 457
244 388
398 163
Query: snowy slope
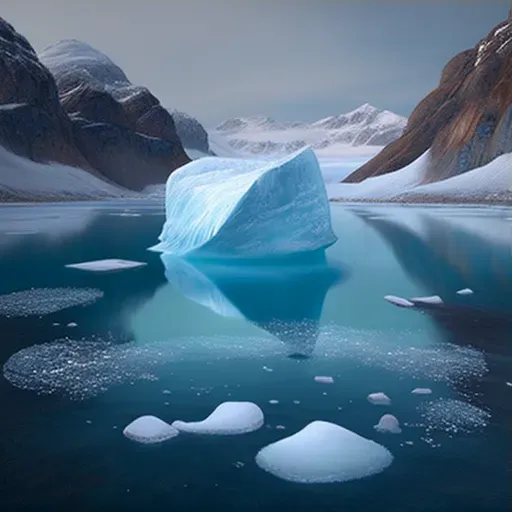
363 131
25 180
490 183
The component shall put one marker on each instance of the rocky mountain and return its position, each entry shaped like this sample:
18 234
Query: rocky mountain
364 126
72 105
191 132
466 121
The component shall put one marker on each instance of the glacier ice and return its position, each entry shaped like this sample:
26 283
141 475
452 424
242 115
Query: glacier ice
323 452
149 429
229 418
222 207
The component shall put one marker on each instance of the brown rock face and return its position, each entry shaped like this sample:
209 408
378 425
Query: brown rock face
466 121
89 115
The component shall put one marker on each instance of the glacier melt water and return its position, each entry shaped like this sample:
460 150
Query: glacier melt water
244 208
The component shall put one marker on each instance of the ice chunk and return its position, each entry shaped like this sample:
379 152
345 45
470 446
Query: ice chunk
72 324
421 391
324 380
323 452
399 301
229 418
273 402
247 208
434 299
465 291
108 265
379 399
149 429
388 424
43 301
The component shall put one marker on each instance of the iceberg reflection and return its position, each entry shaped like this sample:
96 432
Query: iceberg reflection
284 297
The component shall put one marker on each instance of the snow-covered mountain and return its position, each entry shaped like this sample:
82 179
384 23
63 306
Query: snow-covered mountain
364 126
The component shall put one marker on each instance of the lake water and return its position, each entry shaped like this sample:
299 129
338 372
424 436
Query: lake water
175 339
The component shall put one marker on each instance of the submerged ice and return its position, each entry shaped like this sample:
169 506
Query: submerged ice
247 208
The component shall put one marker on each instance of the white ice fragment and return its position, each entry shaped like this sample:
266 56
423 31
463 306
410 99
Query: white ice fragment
433 299
229 418
323 452
388 424
399 301
55 324
296 402
72 324
465 291
421 391
280 427
149 429
324 379
379 399
273 402
267 369
509 384
230 207
108 265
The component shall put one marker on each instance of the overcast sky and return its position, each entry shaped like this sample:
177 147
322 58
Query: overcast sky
290 59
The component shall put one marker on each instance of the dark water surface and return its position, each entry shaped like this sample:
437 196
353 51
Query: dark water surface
174 339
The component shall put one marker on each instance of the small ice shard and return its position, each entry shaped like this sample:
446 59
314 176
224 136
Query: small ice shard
410 443
324 379
72 324
166 392
509 384
434 299
379 399
280 427
108 265
323 452
149 429
229 418
399 301
238 464
55 324
465 291
273 402
267 369
296 402
229 207
421 391
388 424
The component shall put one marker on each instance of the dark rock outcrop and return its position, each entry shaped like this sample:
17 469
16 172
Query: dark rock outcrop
191 132
75 106
466 121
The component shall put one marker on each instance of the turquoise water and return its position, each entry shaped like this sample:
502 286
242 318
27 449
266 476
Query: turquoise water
175 339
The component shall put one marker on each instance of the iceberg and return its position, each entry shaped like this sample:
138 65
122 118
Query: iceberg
244 208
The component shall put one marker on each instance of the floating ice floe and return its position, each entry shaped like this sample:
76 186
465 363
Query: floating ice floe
379 399
44 301
324 379
108 265
230 207
388 424
421 391
229 418
433 299
465 291
72 324
149 429
273 402
323 452
399 301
